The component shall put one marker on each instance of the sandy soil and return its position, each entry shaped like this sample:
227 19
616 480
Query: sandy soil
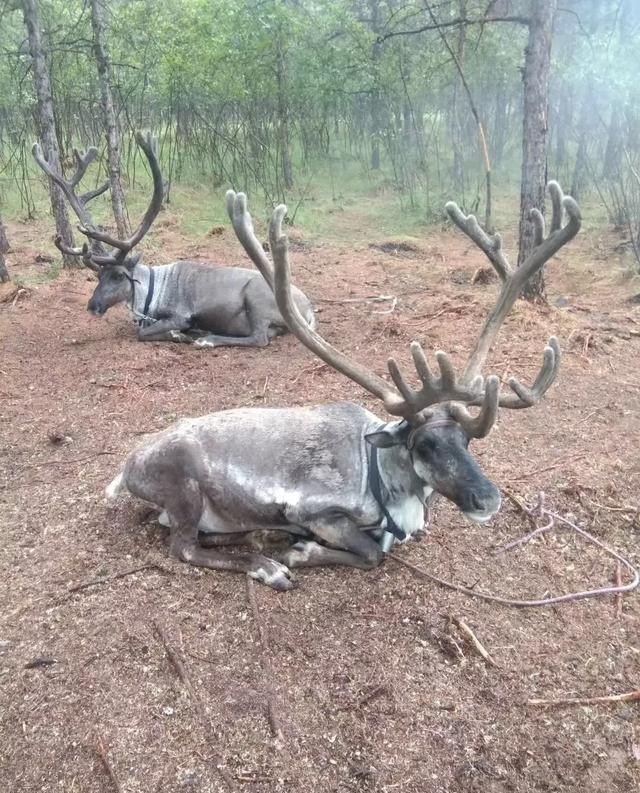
372 685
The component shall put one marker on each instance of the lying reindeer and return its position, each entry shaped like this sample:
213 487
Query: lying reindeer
342 483
183 301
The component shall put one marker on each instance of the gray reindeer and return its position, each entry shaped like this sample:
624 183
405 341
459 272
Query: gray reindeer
183 301
340 482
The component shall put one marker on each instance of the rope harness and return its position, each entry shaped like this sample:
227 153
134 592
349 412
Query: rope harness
375 481
142 318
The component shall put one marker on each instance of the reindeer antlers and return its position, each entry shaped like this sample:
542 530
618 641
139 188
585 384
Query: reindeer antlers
243 226
155 205
471 388
513 281
97 256
68 187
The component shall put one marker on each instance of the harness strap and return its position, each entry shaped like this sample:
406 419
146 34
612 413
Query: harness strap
147 302
376 489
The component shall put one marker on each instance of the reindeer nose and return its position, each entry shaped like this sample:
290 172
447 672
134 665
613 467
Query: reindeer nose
483 503
94 307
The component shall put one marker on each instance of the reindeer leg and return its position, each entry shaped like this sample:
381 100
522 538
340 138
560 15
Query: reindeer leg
350 546
182 501
168 329
258 539
185 547
259 338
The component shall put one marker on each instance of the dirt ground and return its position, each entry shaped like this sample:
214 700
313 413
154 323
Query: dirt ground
373 687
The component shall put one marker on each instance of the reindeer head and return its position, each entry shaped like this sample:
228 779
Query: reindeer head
436 425
114 268
116 284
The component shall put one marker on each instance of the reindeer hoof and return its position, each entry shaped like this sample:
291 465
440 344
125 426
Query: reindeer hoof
273 574
204 342
178 336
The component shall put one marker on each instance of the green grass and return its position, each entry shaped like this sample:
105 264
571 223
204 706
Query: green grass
334 200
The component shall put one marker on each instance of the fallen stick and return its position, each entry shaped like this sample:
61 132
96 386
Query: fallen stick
540 511
122 574
176 661
630 696
265 663
446 310
180 667
111 771
365 299
470 635
66 462
553 467
394 303
618 582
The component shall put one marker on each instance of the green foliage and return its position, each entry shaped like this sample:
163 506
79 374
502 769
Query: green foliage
233 88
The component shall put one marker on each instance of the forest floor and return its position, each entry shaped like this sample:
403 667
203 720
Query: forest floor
371 683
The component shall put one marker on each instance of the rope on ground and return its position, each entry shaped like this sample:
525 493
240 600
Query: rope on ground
539 512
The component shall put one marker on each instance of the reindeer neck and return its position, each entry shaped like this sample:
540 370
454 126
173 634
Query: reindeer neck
141 298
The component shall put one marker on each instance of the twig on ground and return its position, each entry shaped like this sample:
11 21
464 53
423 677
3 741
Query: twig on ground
180 667
618 583
122 574
309 370
265 663
624 508
553 467
470 635
390 310
540 511
108 766
374 693
630 696
174 656
66 462
365 299
446 310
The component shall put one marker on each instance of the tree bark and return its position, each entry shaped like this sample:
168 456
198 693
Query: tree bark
537 68
109 116
46 120
615 143
377 113
579 178
283 119
500 124
4 248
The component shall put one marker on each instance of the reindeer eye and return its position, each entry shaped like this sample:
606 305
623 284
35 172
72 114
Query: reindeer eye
427 445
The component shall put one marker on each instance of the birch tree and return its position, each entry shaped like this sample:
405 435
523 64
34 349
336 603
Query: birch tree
109 116
46 119
537 67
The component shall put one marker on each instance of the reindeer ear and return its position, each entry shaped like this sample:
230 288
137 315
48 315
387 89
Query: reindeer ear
131 261
390 435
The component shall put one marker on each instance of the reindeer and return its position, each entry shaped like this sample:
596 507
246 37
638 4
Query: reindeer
342 484
183 301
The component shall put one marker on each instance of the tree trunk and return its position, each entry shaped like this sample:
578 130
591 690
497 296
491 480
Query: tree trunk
283 119
459 111
499 120
615 143
534 131
563 124
579 178
377 112
46 121
4 248
110 123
